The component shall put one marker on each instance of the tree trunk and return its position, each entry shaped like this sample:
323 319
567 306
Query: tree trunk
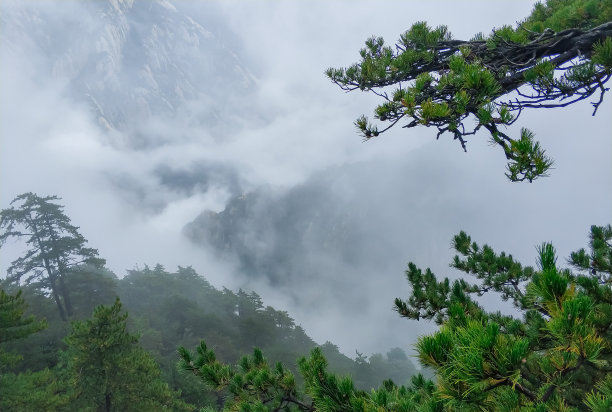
56 297
107 398
61 269
65 296
50 273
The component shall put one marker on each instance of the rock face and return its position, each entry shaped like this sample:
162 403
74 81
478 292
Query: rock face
132 62
283 234
149 70
344 224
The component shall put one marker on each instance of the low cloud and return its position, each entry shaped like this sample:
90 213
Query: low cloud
132 191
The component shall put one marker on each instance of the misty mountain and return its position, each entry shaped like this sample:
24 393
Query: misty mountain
275 232
181 308
356 219
142 67
146 114
335 246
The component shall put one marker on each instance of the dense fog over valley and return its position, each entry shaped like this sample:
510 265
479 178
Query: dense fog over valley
205 134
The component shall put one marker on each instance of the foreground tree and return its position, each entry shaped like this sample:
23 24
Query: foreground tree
55 246
252 386
14 325
556 356
29 391
548 359
108 371
560 55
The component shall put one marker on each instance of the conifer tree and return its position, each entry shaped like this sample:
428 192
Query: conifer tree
252 386
108 371
54 246
556 354
550 358
559 55
29 391
13 325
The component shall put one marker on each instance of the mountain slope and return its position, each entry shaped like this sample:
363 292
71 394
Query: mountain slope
137 64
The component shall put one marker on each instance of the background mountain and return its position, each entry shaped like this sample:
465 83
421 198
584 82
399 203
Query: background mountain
328 224
206 134
335 245
140 66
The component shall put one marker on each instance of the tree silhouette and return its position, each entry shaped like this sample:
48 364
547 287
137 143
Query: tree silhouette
55 246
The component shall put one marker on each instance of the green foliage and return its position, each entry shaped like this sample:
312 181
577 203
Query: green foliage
549 359
556 356
600 400
599 261
29 391
170 309
181 308
561 14
90 287
602 53
13 325
39 350
253 385
108 371
527 157
558 56
55 246
33 391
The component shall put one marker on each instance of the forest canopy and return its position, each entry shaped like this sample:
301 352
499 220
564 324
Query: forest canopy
119 350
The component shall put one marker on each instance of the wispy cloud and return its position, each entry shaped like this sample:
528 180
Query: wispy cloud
294 128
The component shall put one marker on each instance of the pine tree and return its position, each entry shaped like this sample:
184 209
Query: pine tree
13 325
550 358
108 371
556 356
30 391
54 246
253 386
256 386
33 391
561 54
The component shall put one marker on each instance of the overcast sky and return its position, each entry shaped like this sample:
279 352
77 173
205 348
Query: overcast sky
50 144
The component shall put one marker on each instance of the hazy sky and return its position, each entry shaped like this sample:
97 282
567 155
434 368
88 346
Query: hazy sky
50 144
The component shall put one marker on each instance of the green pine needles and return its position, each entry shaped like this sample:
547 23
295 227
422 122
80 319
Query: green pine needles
108 371
554 355
252 386
553 352
558 56
550 358
14 325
